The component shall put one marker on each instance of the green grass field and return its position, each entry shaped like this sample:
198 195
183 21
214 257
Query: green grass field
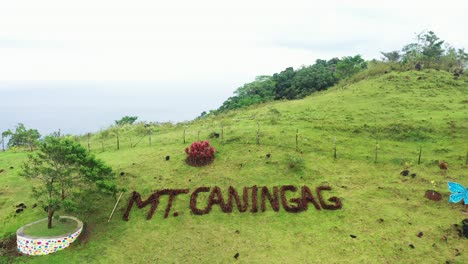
394 115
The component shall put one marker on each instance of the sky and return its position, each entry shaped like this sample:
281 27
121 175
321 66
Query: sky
80 65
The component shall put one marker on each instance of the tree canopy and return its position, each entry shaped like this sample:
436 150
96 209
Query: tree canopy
429 51
62 168
22 137
126 120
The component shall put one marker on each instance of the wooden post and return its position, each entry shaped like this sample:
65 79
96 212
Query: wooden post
258 133
184 135
89 147
118 141
297 136
150 134
334 148
222 135
466 160
376 151
115 206
419 157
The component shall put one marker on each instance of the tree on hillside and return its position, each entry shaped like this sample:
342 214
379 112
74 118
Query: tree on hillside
283 82
259 91
432 46
126 120
23 137
427 50
313 78
392 56
349 66
5 134
62 169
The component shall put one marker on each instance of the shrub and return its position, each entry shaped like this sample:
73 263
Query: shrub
295 162
200 153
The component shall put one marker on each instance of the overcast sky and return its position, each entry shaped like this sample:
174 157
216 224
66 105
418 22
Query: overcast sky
169 60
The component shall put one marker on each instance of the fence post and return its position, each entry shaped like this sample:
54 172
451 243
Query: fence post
222 134
297 136
118 140
184 135
334 148
89 147
150 134
419 157
376 151
258 133
466 160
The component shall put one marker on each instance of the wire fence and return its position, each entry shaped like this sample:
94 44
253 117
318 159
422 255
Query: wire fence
320 142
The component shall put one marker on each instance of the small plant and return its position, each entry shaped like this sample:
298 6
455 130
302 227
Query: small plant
295 162
434 184
200 153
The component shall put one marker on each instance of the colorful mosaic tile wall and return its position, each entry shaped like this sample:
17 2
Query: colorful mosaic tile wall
34 246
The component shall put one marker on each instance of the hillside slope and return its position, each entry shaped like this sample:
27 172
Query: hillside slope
393 116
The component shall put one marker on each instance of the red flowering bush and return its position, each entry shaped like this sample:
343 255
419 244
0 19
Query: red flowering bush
200 153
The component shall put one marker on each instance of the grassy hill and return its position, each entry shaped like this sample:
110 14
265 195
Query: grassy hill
394 115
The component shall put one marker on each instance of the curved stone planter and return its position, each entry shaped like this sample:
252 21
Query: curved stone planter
36 246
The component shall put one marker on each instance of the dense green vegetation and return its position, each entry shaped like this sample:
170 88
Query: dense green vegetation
65 172
378 123
21 137
427 52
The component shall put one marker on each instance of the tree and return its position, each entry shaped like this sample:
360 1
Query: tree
62 169
23 137
283 82
427 50
432 46
392 56
5 134
349 66
313 78
126 120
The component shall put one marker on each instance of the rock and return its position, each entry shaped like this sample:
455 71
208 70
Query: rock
21 205
404 173
236 255
420 234
19 210
168 158
268 155
411 246
413 175
352 236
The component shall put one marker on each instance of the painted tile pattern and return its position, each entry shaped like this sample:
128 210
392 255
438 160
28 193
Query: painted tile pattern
42 246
